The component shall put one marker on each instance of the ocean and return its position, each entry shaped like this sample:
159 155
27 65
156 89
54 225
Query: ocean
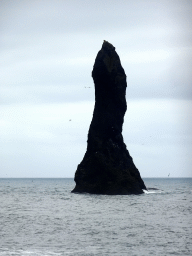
41 217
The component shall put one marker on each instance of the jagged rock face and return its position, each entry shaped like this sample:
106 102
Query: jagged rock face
107 167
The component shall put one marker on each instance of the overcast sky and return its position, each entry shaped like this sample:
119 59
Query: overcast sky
47 51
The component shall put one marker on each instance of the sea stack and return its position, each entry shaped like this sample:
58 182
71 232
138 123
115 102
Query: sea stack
107 167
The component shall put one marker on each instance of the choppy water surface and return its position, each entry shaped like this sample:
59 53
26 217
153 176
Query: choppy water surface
42 217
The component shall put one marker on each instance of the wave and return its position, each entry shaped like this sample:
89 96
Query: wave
152 191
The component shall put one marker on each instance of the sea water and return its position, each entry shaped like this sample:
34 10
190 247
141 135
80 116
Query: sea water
42 217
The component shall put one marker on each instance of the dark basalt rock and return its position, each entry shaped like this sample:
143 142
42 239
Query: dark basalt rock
107 167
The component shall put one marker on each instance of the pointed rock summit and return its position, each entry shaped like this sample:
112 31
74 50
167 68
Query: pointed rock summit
107 168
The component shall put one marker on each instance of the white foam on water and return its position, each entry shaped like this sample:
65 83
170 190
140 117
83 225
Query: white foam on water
36 252
152 191
26 253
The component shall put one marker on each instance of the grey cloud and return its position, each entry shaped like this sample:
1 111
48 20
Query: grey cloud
25 17
64 16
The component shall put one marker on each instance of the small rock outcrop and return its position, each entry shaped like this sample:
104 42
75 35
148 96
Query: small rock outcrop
107 167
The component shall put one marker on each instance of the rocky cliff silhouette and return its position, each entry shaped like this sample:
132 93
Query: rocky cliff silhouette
107 167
